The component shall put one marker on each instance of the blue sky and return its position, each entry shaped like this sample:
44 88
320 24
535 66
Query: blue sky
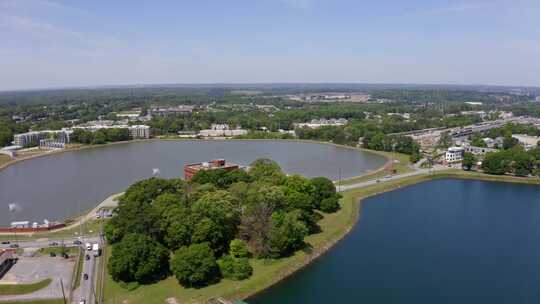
54 43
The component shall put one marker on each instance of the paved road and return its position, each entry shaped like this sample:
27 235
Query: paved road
87 288
390 178
46 243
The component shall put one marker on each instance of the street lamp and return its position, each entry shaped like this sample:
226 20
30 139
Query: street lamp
14 207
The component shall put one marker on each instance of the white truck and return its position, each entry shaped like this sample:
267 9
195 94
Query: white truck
96 250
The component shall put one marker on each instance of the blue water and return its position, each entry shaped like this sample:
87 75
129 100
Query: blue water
443 241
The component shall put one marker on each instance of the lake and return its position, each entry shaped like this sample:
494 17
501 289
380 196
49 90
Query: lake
443 241
59 186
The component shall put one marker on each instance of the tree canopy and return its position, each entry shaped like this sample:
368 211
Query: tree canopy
214 223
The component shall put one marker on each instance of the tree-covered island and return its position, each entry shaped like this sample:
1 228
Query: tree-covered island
212 226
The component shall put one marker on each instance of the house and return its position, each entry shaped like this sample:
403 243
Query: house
454 154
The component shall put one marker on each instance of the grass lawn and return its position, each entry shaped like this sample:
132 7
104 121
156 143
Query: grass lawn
4 159
78 269
401 166
19 289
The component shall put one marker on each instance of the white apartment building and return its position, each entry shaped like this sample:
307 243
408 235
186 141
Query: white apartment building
454 154
222 133
139 131
34 137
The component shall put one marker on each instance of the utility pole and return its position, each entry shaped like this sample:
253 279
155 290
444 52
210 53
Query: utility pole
63 294
339 179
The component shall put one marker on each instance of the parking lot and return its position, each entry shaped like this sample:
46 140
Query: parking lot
29 270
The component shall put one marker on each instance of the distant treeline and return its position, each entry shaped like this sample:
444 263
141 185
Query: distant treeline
101 136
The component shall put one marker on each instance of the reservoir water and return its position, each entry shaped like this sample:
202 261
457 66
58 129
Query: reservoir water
59 186
443 241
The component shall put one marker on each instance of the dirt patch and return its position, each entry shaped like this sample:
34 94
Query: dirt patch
171 301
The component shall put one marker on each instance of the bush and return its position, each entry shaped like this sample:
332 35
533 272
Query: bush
330 204
235 268
195 265
238 249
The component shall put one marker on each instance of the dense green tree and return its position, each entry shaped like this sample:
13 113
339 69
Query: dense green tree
177 224
207 231
266 170
509 142
138 258
195 265
469 160
496 163
478 141
286 233
323 188
216 216
6 137
136 213
221 178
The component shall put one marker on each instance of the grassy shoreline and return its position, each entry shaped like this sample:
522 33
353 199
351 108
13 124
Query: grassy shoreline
268 273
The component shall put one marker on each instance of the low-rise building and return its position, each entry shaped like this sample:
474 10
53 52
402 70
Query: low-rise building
479 150
34 137
192 169
222 133
317 123
139 131
166 111
135 131
529 142
51 143
454 154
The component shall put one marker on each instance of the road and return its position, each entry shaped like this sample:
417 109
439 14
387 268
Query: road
47 242
418 171
87 289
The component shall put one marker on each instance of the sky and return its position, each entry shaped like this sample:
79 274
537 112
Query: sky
54 43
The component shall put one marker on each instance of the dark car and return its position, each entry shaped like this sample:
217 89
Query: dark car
14 246
77 242
85 276
53 244
5 242
87 257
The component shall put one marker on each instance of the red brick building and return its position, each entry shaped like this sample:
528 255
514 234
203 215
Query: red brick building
192 169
